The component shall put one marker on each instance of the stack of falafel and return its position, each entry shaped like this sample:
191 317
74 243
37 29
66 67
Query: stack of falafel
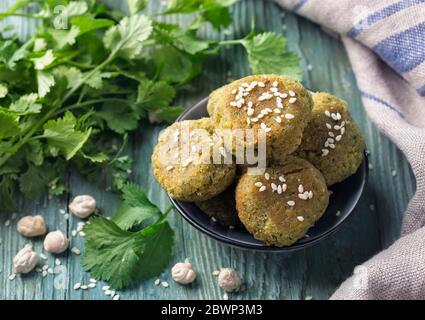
311 143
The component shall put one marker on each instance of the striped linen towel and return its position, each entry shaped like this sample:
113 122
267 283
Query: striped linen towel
385 41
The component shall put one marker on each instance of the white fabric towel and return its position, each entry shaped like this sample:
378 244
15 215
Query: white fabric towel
385 41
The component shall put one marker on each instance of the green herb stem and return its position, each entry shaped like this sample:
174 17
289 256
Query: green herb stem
230 42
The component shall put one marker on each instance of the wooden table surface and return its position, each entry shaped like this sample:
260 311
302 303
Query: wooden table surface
314 272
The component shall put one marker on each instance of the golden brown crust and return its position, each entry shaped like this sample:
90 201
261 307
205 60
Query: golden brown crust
268 216
286 132
343 157
189 180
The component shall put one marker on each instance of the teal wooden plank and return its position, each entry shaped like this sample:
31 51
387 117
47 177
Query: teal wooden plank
315 271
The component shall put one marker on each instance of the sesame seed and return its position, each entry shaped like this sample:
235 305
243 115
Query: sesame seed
274 90
262 189
300 218
12 277
231 227
338 116
274 186
328 125
77 286
334 116
342 131
308 298
292 100
330 140
337 127
291 203
254 119
338 137
332 146
74 233
215 273
92 280
261 84
372 207
269 110
108 292
62 211
310 194
45 267
303 196
104 288
245 85
393 173
250 104
309 67
213 219
43 256
325 152
44 273
282 179
338 213
331 134
264 111
327 113
84 287
258 184
260 115
274 83
225 297
279 100
370 166
91 285
165 284
278 119
82 234
75 251
267 129
50 270
276 110
279 189
58 262
234 91
276 94
116 297
289 116
300 188
263 125
66 216
284 95
284 187
233 104
38 270
291 93
267 176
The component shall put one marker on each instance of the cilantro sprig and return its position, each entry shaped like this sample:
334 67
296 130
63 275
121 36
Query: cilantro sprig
73 92
135 244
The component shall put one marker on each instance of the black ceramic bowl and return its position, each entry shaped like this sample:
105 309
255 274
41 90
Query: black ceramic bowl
344 198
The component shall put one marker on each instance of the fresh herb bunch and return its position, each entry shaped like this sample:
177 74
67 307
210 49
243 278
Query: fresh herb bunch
72 96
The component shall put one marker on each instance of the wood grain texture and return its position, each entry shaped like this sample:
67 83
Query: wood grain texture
316 271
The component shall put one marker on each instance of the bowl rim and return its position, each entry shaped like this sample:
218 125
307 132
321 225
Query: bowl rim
295 246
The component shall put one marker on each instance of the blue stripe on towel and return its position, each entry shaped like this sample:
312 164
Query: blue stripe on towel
421 91
365 23
299 4
380 101
405 50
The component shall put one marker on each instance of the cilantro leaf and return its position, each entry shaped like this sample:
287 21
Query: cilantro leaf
135 209
45 60
7 193
96 80
135 6
45 82
169 114
155 95
26 104
63 137
121 257
86 24
10 54
64 37
8 124
119 118
267 54
127 37
72 75
35 180
3 90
